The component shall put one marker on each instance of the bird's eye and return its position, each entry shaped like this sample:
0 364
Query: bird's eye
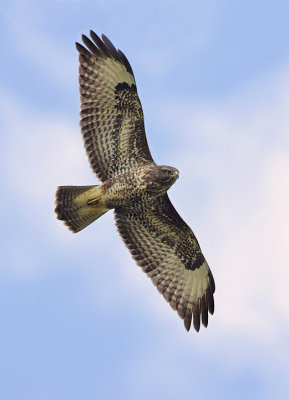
168 172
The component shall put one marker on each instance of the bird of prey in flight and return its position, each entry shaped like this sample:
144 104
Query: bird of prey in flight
133 185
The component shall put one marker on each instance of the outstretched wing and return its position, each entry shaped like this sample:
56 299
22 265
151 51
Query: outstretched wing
168 251
112 120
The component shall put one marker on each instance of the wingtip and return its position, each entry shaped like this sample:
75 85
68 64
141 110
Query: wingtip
93 35
211 305
81 49
187 325
104 38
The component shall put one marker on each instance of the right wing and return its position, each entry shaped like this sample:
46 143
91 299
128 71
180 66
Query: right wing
112 121
168 251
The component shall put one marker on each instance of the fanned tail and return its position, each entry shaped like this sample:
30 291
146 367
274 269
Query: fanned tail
79 206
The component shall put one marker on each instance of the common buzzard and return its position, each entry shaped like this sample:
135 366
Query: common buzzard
112 126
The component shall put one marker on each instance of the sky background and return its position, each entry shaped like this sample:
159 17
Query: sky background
79 320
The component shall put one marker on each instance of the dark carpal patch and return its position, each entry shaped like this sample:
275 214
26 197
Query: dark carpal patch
125 86
192 265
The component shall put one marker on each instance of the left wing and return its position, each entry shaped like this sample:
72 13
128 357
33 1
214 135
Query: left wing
168 251
112 122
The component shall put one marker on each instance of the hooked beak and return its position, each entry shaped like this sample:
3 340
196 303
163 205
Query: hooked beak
176 173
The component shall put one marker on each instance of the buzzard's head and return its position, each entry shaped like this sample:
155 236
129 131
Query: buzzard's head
157 179
165 177
166 173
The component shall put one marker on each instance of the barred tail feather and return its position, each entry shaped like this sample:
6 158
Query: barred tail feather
79 206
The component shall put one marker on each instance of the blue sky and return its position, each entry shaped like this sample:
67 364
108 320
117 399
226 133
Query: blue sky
78 318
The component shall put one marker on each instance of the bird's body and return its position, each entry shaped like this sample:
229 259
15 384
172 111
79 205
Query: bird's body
139 184
133 185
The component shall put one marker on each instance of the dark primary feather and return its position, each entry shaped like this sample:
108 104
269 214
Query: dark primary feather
91 46
111 113
125 62
167 250
114 53
102 47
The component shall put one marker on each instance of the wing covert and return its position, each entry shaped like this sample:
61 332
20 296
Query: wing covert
167 250
112 121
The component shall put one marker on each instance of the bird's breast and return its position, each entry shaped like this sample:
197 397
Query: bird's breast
129 187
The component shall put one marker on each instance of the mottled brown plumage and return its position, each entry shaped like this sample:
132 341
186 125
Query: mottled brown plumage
112 125
112 122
